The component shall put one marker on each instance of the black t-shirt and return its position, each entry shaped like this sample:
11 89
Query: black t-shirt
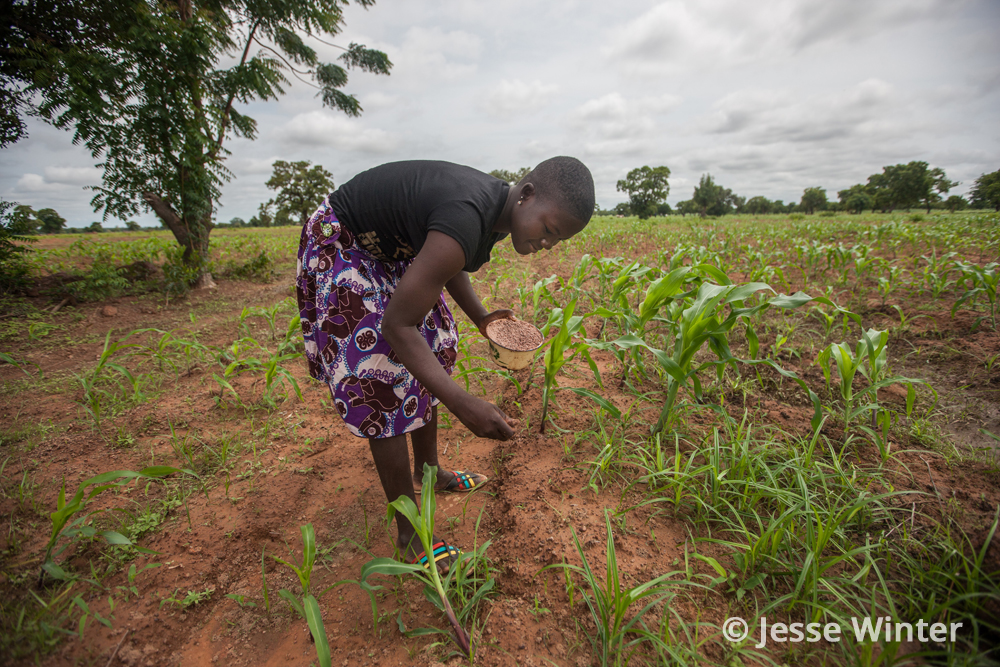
390 208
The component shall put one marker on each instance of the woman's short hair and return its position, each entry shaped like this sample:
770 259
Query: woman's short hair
567 182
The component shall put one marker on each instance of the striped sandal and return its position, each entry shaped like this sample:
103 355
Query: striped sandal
461 482
440 551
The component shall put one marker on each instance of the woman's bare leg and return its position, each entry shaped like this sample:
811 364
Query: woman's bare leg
425 449
392 460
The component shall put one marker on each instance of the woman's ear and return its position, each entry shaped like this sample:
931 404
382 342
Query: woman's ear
527 192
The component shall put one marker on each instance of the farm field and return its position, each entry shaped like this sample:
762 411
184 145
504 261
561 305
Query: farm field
794 418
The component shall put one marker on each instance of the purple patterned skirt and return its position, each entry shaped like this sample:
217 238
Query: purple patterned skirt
343 292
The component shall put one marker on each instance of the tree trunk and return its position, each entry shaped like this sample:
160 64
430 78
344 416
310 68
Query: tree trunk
193 238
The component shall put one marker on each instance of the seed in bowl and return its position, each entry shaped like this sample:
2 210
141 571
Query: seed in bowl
514 334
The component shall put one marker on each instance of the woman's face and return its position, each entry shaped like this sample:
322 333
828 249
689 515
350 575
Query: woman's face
539 225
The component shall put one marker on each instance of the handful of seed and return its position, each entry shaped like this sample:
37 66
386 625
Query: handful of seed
514 334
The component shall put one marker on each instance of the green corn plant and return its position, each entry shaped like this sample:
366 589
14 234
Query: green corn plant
981 280
888 283
422 521
308 608
541 290
240 361
870 358
93 396
275 375
269 315
663 291
605 268
7 359
62 527
936 273
561 345
609 602
293 341
703 322
621 312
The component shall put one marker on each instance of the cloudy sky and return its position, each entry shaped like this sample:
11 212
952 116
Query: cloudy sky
769 96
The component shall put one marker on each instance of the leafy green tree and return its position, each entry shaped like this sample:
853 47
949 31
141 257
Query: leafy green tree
13 247
300 189
133 226
710 198
237 222
647 188
51 222
935 184
512 177
986 191
956 203
663 209
855 198
94 228
24 220
813 199
896 187
265 215
907 185
758 206
688 207
28 28
155 91
623 208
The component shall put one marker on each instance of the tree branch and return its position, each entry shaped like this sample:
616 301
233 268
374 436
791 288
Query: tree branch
321 41
295 72
169 216
232 95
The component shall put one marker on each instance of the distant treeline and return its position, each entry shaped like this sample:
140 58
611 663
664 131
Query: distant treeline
900 186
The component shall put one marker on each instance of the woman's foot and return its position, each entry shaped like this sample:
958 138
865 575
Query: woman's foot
442 553
454 481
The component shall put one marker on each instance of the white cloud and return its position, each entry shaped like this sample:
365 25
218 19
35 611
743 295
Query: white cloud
770 116
38 184
676 36
610 120
253 165
376 101
323 128
435 54
58 180
511 98
817 21
73 175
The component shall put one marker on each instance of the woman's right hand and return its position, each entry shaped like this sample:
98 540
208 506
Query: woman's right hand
484 419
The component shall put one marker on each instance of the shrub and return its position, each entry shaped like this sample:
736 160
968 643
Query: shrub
259 267
103 281
178 275
13 267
